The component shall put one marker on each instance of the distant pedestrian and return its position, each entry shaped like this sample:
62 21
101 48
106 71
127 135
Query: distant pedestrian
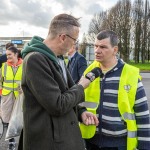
11 72
76 64
3 58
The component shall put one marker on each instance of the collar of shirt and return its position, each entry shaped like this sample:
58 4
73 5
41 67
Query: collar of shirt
70 57
60 57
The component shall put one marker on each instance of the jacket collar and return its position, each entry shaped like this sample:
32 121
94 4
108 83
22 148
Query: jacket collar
119 65
16 65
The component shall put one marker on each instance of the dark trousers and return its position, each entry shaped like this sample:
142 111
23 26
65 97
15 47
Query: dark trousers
90 146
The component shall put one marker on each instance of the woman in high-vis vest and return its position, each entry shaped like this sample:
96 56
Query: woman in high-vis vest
11 74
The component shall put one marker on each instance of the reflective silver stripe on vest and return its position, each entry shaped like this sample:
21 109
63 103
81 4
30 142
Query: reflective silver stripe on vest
10 89
17 81
132 134
8 81
89 104
128 116
11 81
5 69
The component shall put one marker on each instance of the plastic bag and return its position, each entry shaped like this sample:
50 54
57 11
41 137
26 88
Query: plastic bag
1 128
16 121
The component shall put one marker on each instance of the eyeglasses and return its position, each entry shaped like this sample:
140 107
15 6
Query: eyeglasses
75 40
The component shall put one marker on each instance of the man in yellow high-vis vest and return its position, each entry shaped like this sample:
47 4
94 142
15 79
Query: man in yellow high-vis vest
118 99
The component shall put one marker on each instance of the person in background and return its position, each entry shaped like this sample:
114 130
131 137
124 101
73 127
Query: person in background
11 72
50 95
76 64
3 58
118 98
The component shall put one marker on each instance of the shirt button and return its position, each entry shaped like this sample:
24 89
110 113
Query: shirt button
72 122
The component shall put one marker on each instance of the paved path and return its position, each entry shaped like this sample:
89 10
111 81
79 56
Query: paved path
3 143
146 83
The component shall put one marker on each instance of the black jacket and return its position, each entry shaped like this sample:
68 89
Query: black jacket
77 66
3 59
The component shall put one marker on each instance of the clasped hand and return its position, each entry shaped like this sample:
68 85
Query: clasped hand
89 118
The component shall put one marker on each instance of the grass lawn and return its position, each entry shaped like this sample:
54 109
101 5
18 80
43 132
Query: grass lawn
142 67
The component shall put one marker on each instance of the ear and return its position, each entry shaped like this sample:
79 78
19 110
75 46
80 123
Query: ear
62 37
115 50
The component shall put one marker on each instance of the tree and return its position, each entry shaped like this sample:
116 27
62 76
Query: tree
145 29
137 14
141 30
123 28
118 20
95 26
131 23
83 45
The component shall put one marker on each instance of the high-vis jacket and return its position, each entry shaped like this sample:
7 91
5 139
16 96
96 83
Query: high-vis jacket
10 80
126 98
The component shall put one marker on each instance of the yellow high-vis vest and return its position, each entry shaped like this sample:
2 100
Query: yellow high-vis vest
126 98
10 80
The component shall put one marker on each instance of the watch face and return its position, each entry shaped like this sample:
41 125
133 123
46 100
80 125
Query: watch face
91 76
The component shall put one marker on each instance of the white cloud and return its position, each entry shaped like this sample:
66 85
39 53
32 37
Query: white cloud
32 17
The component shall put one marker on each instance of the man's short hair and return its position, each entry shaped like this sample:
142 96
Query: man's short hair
9 45
108 34
63 23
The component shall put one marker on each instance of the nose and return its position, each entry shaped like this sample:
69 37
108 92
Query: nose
98 50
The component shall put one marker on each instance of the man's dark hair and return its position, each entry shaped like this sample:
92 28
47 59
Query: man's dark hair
9 45
108 34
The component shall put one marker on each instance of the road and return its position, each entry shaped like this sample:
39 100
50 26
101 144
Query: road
146 83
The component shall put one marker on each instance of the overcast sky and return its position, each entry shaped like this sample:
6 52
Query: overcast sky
32 17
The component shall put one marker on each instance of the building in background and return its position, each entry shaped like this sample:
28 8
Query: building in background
19 41
89 53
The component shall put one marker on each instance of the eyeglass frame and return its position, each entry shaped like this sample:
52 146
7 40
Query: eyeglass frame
75 40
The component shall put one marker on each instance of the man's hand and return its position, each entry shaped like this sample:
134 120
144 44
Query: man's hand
84 82
89 118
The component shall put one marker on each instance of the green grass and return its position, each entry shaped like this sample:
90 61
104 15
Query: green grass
143 67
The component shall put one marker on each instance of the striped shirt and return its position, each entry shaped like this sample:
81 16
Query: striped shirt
112 130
